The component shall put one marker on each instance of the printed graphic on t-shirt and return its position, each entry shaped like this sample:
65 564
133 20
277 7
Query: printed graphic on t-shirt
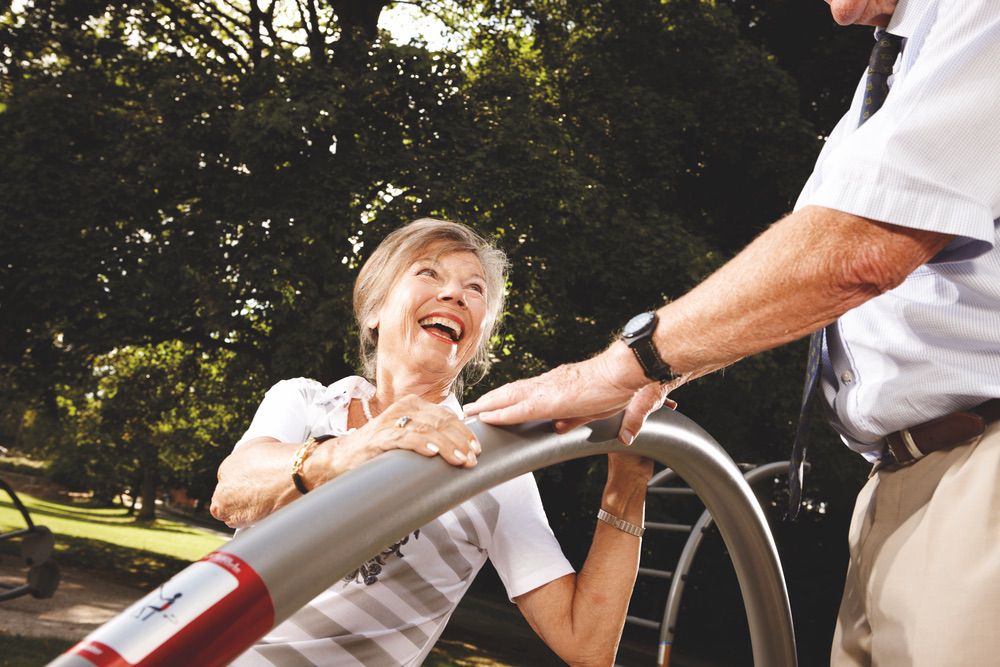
368 573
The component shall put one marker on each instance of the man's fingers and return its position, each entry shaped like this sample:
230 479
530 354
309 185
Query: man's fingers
500 397
567 425
648 399
514 403
513 414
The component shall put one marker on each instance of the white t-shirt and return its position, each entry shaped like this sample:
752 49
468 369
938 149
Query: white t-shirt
393 609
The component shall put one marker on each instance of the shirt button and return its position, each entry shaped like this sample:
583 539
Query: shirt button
846 377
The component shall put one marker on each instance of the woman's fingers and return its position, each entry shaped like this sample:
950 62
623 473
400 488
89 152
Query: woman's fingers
464 447
429 429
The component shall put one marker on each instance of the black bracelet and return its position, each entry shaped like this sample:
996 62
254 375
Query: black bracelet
301 455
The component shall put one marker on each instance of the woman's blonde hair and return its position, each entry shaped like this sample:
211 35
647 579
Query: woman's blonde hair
399 250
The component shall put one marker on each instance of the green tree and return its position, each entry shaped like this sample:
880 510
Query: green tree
155 417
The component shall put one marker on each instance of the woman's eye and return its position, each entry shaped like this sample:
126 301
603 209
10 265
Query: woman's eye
427 272
475 287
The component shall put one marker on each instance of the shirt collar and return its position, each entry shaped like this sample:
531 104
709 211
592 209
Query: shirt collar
340 393
906 17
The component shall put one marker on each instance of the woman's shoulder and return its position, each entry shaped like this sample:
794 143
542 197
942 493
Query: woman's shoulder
302 387
315 392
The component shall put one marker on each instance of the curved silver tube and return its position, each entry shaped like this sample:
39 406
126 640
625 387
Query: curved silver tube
312 543
684 562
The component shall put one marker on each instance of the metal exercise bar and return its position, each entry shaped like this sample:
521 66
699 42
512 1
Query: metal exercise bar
222 604
643 622
653 572
668 527
670 491
668 626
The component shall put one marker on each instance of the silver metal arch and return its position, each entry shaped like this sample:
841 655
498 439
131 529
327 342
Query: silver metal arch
686 559
312 543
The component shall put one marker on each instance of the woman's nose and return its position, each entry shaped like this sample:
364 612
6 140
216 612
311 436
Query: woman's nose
452 293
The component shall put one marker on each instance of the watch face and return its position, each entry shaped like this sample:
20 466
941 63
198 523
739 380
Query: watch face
638 324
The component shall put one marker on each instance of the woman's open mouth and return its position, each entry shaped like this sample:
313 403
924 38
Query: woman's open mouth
444 328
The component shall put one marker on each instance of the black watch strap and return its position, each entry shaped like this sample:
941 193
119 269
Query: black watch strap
652 364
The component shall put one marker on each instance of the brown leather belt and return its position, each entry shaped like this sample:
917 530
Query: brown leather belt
912 444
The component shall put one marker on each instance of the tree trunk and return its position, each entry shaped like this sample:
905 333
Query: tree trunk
135 499
359 14
148 492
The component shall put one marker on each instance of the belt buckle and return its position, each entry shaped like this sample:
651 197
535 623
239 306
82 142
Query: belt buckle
901 447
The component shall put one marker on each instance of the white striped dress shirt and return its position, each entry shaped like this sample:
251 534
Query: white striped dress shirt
929 159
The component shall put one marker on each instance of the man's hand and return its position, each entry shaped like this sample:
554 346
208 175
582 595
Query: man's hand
574 394
646 401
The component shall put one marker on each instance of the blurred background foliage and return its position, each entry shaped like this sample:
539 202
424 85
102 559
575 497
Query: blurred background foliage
188 187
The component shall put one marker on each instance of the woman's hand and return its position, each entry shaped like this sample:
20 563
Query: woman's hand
410 423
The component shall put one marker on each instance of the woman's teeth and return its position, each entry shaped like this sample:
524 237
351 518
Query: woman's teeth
451 328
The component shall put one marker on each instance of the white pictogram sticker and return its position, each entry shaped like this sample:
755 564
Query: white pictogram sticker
151 621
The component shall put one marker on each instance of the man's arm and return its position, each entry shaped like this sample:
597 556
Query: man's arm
802 273
581 616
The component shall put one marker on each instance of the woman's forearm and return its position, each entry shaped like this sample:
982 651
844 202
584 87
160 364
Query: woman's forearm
256 479
605 582
581 616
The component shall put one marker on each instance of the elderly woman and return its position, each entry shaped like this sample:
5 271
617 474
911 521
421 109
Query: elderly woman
426 303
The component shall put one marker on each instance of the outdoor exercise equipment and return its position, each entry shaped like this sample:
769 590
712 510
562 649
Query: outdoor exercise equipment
658 486
213 610
37 543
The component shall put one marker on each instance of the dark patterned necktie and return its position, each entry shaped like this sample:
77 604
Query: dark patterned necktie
884 54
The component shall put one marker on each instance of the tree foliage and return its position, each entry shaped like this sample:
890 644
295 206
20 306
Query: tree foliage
192 184
159 416
188 187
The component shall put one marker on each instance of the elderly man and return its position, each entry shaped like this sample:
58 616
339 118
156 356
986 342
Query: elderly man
891 259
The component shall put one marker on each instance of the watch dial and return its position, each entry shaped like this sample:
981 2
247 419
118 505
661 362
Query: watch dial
637 324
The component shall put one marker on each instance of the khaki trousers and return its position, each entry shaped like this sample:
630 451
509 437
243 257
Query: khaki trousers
923 582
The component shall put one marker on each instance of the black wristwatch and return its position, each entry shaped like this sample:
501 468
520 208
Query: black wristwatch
638 335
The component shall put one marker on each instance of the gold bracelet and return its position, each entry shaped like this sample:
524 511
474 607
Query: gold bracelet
619 523
301 454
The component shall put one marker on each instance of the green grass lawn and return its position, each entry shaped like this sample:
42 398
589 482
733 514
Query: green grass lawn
20 651
106 541
109 541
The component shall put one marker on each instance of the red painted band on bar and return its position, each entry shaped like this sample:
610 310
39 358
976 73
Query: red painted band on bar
100 654
213 638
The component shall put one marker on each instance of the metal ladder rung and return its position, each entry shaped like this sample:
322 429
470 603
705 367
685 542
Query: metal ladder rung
670 491
659 574
642 622
669 527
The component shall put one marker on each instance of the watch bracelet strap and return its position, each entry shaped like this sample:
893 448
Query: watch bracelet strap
619 523
654 367
301 454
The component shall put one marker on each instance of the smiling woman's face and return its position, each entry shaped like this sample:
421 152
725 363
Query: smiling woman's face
432 318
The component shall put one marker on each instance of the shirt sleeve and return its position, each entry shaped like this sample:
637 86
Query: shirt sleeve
282 414
524 550
928 159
